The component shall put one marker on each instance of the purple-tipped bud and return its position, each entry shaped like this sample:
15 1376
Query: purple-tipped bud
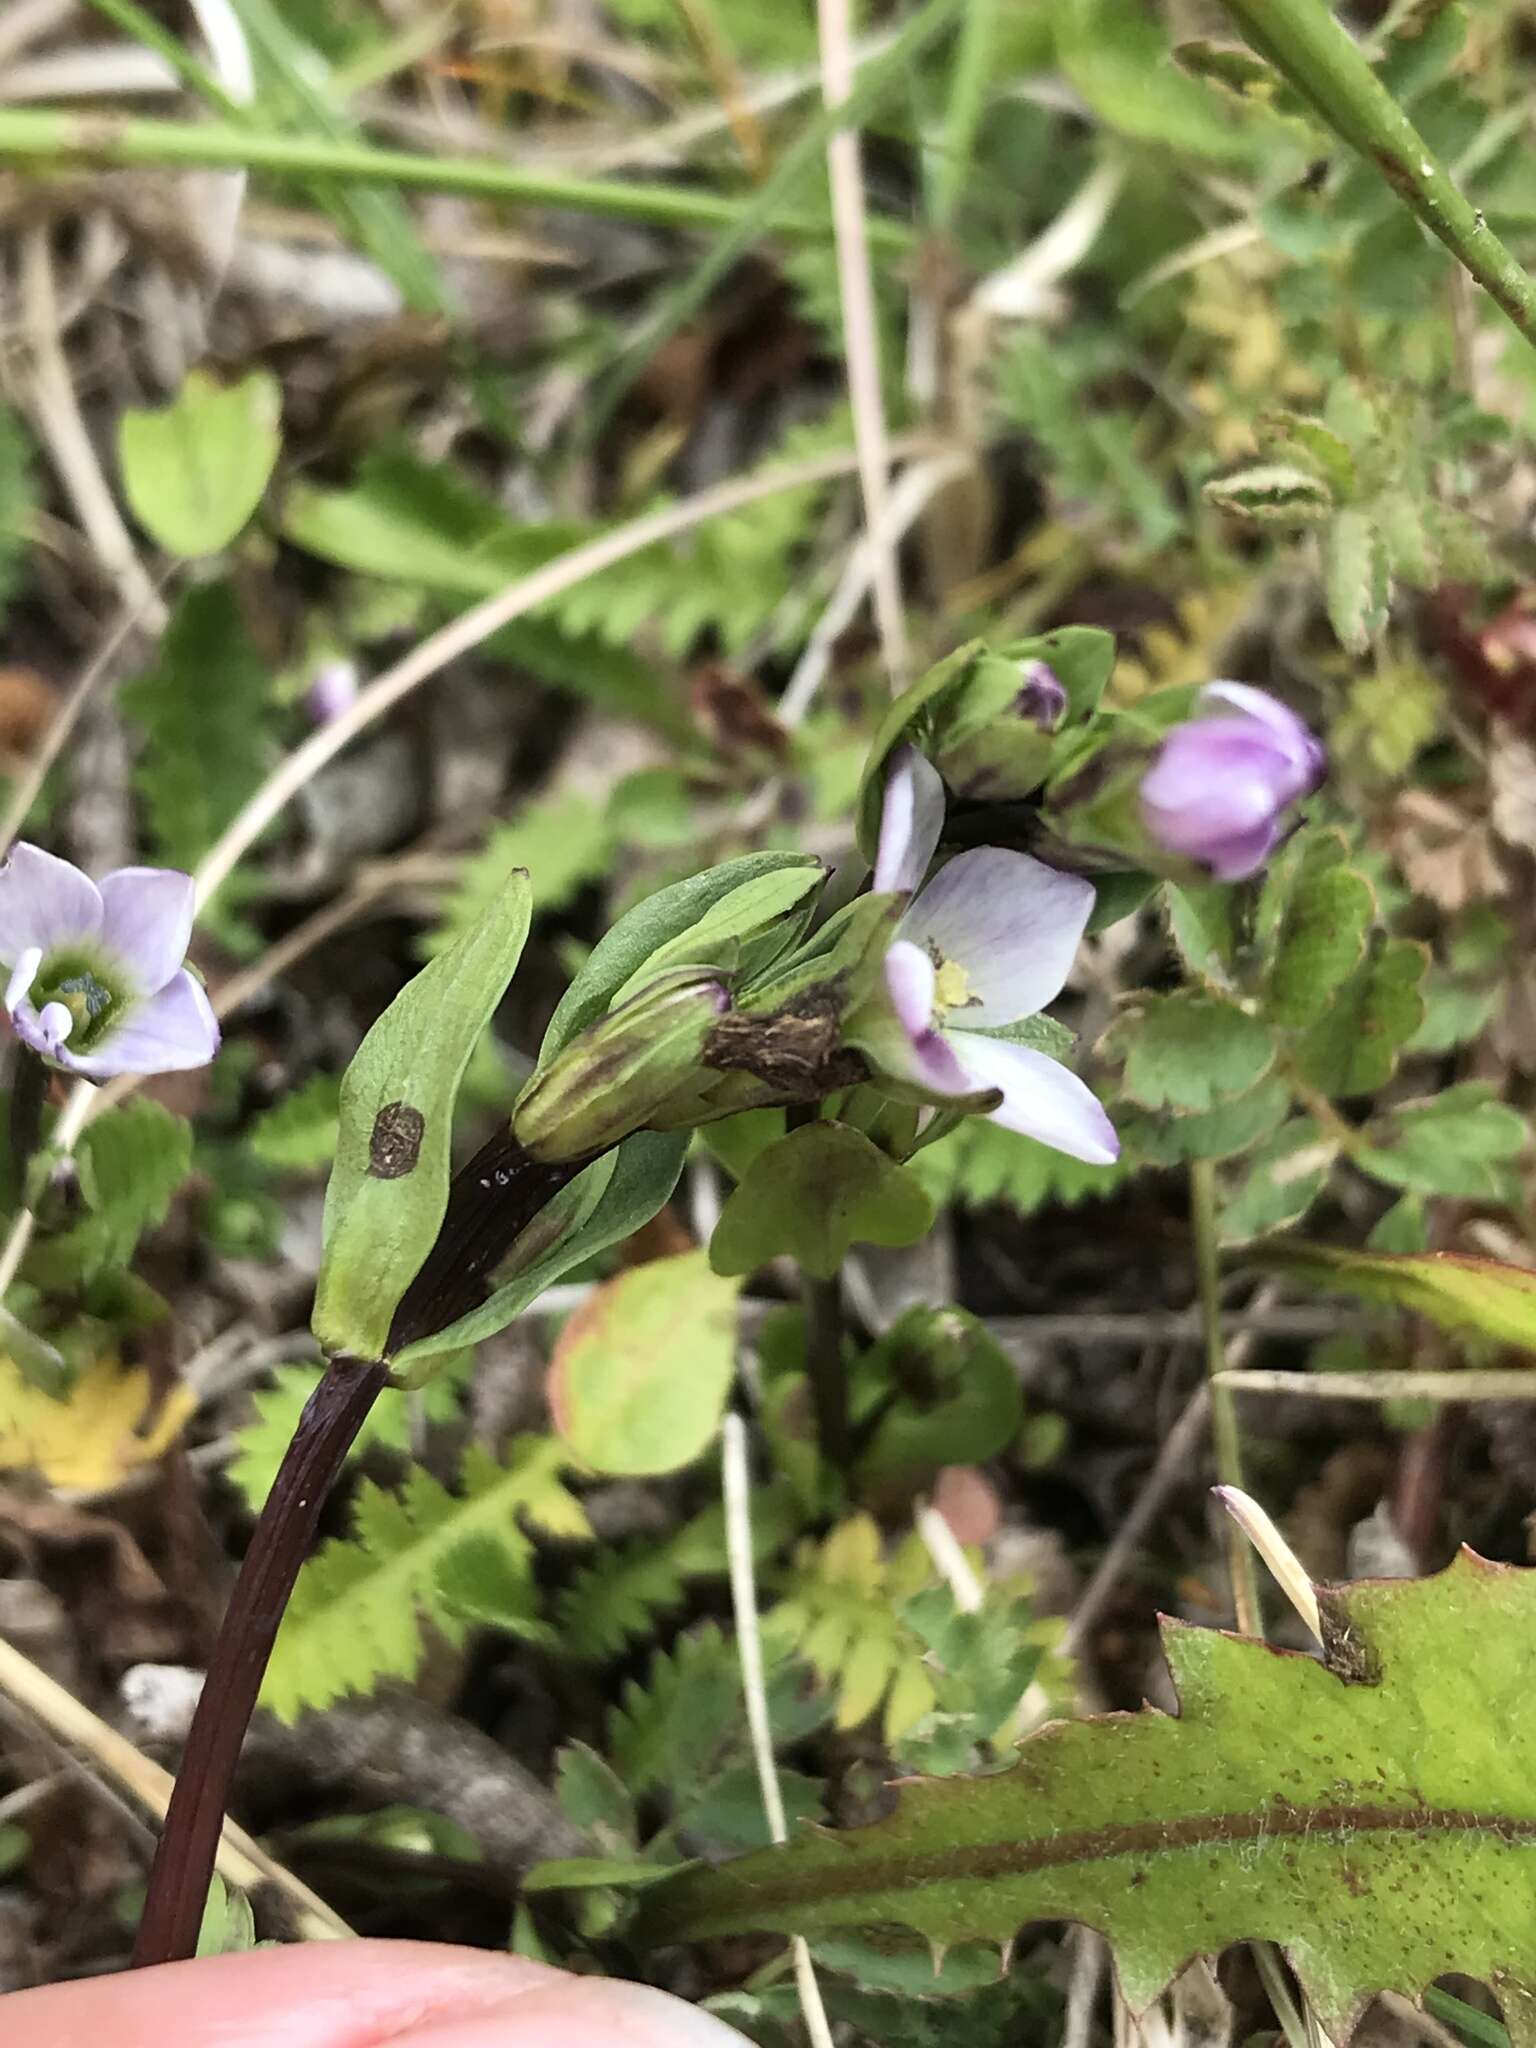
1042 700
333 691
1221 785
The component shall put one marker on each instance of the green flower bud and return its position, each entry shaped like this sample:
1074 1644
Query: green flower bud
615 1076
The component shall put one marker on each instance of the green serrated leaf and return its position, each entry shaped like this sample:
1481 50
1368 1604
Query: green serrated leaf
201 713
1283 1178
1319 943
813 1195
1318 445
388 1191
562 839
131 1161
1189 1051
388 1425
1357 578
1274 493
298 1134
358 1610
1282 1790
195 470
1354 1048
1463 1142
639 1378
1165 1138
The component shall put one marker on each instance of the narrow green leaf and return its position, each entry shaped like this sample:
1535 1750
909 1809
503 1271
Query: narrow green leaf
1274 493
389 1188
1358 579
613 1198
1454 1289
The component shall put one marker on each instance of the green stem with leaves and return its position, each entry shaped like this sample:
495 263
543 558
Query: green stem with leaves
46 139
1304 42
1204 1222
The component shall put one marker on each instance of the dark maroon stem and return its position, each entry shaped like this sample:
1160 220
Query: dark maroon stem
183 1865
491 1201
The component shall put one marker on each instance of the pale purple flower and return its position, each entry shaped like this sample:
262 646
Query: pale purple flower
985 945
332 691
1221 785
97 983
1042 700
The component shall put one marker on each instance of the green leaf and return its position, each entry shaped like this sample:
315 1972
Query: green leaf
1189 1051
946 1394
1162 1138
1353 1050
358 1610
1274 493
1116 56
643 932
131 1162
981 1163
562 839
1320 942
388 1425
1317 445
200 711
388 1191
1358 579
1283 1178
1453 1289
1282 1792
618 1597
640 1376
814 1194
1463 1142
632 1184
195 470
298 1134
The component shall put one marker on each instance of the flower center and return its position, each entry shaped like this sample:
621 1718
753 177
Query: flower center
951 987
85 988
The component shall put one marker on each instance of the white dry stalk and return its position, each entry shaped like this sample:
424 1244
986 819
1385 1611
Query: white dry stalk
749 1650
242 1862
1510 1384
1289 1574
56 414
861 333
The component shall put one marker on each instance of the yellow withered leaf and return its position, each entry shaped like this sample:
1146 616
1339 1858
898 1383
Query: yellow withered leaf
93 1437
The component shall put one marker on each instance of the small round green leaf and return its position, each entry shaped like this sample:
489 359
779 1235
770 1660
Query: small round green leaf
812 1195
639 1379
195 470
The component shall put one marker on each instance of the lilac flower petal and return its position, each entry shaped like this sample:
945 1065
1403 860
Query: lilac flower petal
44 902
909 978
1244 853
1215 780
1041 1098
147 921
23 974
1282 724
172 1030
918 1052
911 819
1010 922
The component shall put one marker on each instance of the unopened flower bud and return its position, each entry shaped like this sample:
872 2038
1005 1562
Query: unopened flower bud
613 1077
332 692
1222 784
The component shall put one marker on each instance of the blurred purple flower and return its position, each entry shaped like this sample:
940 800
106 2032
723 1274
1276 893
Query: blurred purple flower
1042 700
1221 785
333 691
987 944
97 983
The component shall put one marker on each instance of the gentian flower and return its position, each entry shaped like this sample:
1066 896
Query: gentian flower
97 984
332 691
986 944
1042 700
1221 785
